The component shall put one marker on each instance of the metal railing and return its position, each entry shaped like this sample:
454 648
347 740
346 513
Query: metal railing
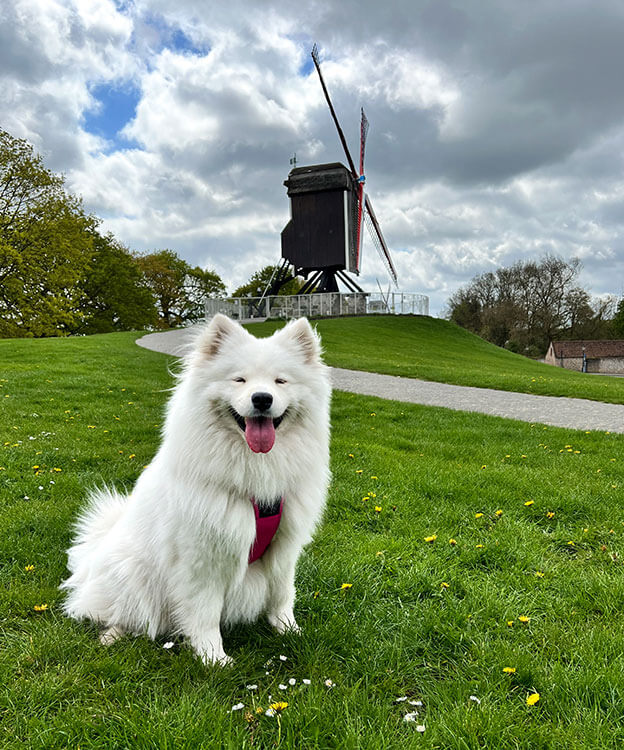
329 304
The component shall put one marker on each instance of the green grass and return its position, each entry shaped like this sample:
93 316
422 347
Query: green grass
91 408
434 349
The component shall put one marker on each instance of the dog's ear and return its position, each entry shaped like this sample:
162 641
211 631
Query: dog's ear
215 333
301 334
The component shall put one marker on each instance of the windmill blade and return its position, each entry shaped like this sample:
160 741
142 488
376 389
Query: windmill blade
378 239
361 181
343 140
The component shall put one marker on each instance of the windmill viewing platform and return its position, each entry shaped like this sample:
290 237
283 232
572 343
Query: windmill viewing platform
319 305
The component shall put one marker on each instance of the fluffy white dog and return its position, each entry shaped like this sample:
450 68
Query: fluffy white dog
211 533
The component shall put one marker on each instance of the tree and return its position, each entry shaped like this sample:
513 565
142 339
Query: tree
45 244
525 306
261 279
116 295
617 322
180 289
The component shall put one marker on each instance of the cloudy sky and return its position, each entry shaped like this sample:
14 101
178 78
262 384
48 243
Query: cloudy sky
497 126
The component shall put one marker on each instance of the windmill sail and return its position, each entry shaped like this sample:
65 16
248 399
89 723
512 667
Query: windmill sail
341 135
378 239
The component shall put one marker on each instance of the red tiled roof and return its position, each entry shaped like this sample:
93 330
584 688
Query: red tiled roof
566 349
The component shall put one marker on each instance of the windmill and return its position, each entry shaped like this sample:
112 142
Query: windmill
323 239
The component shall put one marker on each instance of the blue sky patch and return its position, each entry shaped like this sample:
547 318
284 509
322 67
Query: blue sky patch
307 67
117 106
172 38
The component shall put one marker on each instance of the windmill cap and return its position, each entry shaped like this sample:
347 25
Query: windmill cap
319 177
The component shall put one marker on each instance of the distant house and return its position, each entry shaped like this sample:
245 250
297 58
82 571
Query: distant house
601 356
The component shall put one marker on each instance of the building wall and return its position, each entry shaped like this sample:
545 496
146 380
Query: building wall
550 358
612 365
606 365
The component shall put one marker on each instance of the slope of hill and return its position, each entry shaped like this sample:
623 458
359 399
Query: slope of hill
434 349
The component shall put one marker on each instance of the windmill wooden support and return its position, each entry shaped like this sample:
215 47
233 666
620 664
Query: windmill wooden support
323 239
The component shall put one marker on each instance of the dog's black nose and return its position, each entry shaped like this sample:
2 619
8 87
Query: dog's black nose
262 401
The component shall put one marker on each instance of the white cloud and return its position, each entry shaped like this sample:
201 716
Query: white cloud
496 128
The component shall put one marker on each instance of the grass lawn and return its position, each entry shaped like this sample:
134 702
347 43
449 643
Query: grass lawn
535 512
434 349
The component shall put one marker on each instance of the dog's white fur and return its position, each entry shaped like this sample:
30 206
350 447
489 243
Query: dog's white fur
171 557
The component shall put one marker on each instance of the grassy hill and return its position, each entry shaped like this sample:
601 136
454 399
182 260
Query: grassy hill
433 349
460 555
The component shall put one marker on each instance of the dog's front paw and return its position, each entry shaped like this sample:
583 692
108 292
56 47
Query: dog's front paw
109 635
219 661
284 622
210 657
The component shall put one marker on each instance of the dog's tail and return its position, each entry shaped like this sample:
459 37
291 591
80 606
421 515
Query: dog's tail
105 507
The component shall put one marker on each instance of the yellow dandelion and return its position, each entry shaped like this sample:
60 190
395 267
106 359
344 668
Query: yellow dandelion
510 623
29 568
351 455
358 471
479 546
509 670
346 586
365 498
524 619
373 477
529 503
452 542
499 513
539 574
378 509
532 699
279 706
484 466
132 455
444 585
478 515
431 538
550 514
40 607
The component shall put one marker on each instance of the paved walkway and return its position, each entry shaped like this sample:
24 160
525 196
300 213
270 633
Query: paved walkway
574 413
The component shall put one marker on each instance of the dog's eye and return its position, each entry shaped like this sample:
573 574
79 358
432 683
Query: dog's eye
239 380
280 381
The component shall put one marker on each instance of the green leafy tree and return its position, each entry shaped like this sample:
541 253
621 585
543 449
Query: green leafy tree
45 245
261 279
617 323
116 295
179 288
525 306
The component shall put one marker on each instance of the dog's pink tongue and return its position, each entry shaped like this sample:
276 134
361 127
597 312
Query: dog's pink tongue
259 434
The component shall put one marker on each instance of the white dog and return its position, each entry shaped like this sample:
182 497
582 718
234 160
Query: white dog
211 533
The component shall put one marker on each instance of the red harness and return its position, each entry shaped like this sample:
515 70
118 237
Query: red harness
266 526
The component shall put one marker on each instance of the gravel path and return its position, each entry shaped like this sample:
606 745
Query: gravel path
574 413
